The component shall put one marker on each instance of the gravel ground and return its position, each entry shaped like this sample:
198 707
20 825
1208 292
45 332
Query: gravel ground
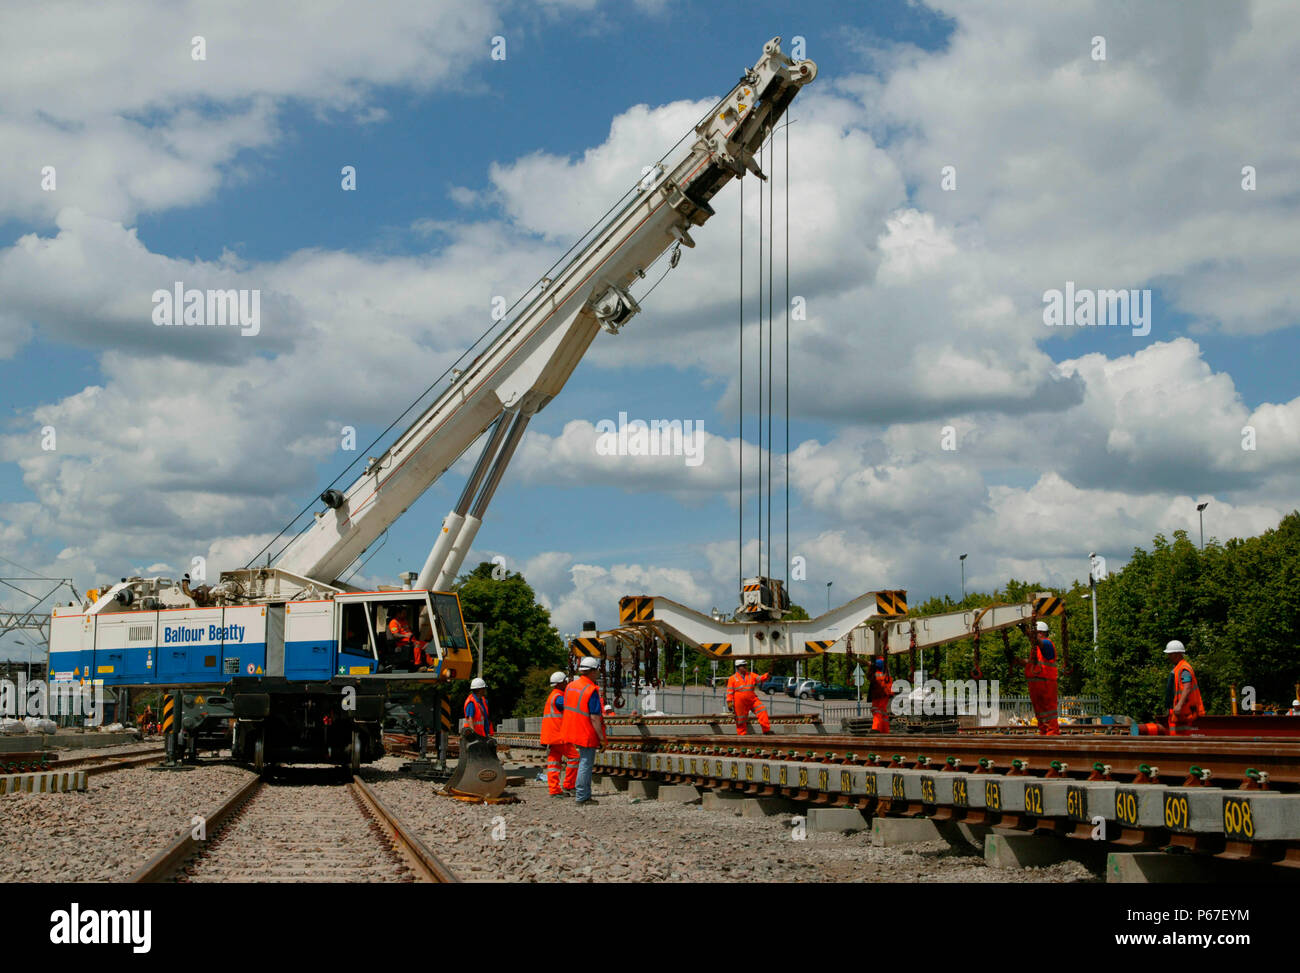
622 840
107 832
296 831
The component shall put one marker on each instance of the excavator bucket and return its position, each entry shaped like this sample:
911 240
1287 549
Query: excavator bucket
478 775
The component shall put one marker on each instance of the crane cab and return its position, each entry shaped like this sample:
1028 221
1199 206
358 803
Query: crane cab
405 634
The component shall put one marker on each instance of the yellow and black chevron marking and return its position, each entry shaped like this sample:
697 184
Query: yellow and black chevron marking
716 648
169 714
891 602
819 646
636 608
588 646
444 716
1049 606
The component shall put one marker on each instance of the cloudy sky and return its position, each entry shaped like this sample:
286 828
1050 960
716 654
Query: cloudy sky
953 164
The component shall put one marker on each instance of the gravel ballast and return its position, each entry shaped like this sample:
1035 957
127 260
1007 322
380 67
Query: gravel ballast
105 833
109 831
545 839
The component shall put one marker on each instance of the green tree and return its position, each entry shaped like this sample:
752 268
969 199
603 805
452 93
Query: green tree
536 687
519 640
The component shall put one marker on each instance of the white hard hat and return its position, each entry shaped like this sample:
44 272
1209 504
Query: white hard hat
608 708
1295 702
742 662
557 678
1042 627
589 662
477 683
1174 646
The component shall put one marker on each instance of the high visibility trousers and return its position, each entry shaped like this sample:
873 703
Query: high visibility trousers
1042 695
1181 725
880 716
746 702
561 758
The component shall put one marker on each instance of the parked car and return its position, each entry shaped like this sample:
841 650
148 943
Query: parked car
775 684
824 690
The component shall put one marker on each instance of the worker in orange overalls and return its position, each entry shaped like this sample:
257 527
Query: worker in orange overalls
407 645
880 693
1041 674
561 757
742 697
1182 694
476 709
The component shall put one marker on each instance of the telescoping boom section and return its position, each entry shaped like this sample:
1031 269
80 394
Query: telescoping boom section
530 359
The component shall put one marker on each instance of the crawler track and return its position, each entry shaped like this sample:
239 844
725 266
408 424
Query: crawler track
299 832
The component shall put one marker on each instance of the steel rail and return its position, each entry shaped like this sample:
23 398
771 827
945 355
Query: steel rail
121 764
167 862
1225 758
41 761
427 866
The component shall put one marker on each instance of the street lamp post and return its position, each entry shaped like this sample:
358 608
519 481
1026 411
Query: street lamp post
1092 594
1200 509
828 594
683 650
962 559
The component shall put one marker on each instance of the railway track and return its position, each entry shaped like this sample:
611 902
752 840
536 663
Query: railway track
295 831
1231 761
39 762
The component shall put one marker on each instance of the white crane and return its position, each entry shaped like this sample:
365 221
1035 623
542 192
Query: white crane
528 363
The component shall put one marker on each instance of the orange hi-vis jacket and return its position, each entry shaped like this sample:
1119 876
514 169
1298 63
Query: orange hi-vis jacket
407 644
399 630
476 716
1195 707
742 682
882 688
553 718
1039 669
576 726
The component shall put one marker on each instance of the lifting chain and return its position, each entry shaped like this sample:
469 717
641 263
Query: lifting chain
618 676
652 663
976 672
911 649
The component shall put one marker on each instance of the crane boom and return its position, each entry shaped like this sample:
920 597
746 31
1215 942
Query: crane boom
528 363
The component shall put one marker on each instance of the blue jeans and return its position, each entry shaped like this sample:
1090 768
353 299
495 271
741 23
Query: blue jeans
586 761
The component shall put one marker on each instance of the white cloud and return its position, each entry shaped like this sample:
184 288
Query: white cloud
924 306
111 96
